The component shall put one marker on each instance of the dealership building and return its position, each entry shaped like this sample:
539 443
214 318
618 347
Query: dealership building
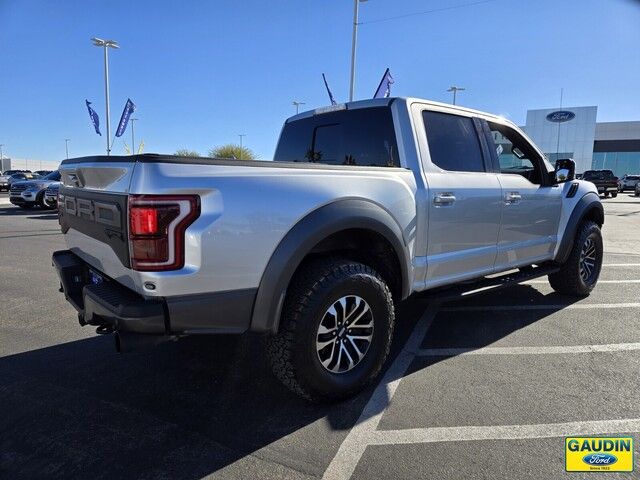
575 133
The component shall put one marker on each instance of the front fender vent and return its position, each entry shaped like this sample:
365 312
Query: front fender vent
572 190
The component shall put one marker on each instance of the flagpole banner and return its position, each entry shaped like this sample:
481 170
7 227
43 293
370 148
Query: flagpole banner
384 89
94 117
333 100
129 108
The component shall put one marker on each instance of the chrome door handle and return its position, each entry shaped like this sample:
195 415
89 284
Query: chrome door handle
444 199
512 197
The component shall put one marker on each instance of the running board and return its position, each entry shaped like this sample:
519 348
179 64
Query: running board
487 284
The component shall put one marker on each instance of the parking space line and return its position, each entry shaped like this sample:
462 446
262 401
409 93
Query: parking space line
353 446
503 432
575 306
544 350
621 264
536 282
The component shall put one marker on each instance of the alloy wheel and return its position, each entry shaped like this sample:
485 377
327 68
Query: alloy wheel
344 334
588 260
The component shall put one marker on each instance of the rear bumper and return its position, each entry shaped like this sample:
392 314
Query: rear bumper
602 189
123 310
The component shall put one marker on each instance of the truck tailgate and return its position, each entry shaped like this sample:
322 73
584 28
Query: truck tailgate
93 212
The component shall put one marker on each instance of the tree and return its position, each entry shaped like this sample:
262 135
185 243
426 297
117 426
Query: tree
184 152
233 151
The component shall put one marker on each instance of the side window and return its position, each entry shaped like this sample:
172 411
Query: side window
363 137
453 142
515 154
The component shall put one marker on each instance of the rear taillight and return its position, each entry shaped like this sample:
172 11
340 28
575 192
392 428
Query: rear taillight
157 225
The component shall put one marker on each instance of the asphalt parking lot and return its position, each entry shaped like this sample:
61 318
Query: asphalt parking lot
487 387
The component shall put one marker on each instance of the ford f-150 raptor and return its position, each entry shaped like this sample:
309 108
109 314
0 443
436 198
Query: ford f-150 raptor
365 204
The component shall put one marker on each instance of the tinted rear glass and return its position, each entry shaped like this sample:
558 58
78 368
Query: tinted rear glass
597 174
453 142
364 137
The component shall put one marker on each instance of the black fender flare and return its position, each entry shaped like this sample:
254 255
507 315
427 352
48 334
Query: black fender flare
584 207
307 233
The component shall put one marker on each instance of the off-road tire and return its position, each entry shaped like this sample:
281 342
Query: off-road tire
292 351
568 280
614 194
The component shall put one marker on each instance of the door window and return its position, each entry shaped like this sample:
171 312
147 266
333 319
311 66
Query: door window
453 142
365 136
516 155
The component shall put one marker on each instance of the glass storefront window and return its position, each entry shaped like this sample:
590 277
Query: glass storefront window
619 162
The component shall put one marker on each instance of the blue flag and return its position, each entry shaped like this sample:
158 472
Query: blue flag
384 89
129 108
333 100
94 117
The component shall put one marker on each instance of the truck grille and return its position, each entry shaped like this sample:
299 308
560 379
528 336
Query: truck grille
18 188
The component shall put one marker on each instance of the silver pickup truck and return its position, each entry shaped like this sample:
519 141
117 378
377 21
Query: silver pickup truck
364 204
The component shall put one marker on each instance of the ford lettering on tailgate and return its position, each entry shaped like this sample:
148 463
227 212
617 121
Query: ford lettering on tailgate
99 215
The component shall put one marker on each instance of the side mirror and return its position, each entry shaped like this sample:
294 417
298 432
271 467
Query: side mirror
565 170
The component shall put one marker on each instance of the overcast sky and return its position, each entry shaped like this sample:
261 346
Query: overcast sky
202 72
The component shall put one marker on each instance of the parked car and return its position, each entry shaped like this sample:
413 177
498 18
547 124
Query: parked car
29 193
364 204
50 199
628 182
21 176
604 180
43 173
5 183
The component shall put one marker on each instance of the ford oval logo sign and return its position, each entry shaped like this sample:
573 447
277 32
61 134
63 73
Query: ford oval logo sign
561 116
599 459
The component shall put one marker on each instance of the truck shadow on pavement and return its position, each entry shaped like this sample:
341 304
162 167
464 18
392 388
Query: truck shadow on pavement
185 409
35 212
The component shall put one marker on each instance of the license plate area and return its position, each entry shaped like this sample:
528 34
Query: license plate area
95 278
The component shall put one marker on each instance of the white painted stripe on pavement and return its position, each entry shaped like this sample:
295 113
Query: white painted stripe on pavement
4 201
621 264
599 281
344 463
544 350
503 432
574 306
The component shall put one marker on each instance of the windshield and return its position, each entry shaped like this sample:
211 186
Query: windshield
55 176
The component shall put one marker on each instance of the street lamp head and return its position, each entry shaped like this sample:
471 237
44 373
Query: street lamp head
98 42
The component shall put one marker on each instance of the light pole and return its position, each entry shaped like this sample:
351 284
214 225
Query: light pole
1 157
455 90
354 41
241 135
133 136
297 104
106 45
66 146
